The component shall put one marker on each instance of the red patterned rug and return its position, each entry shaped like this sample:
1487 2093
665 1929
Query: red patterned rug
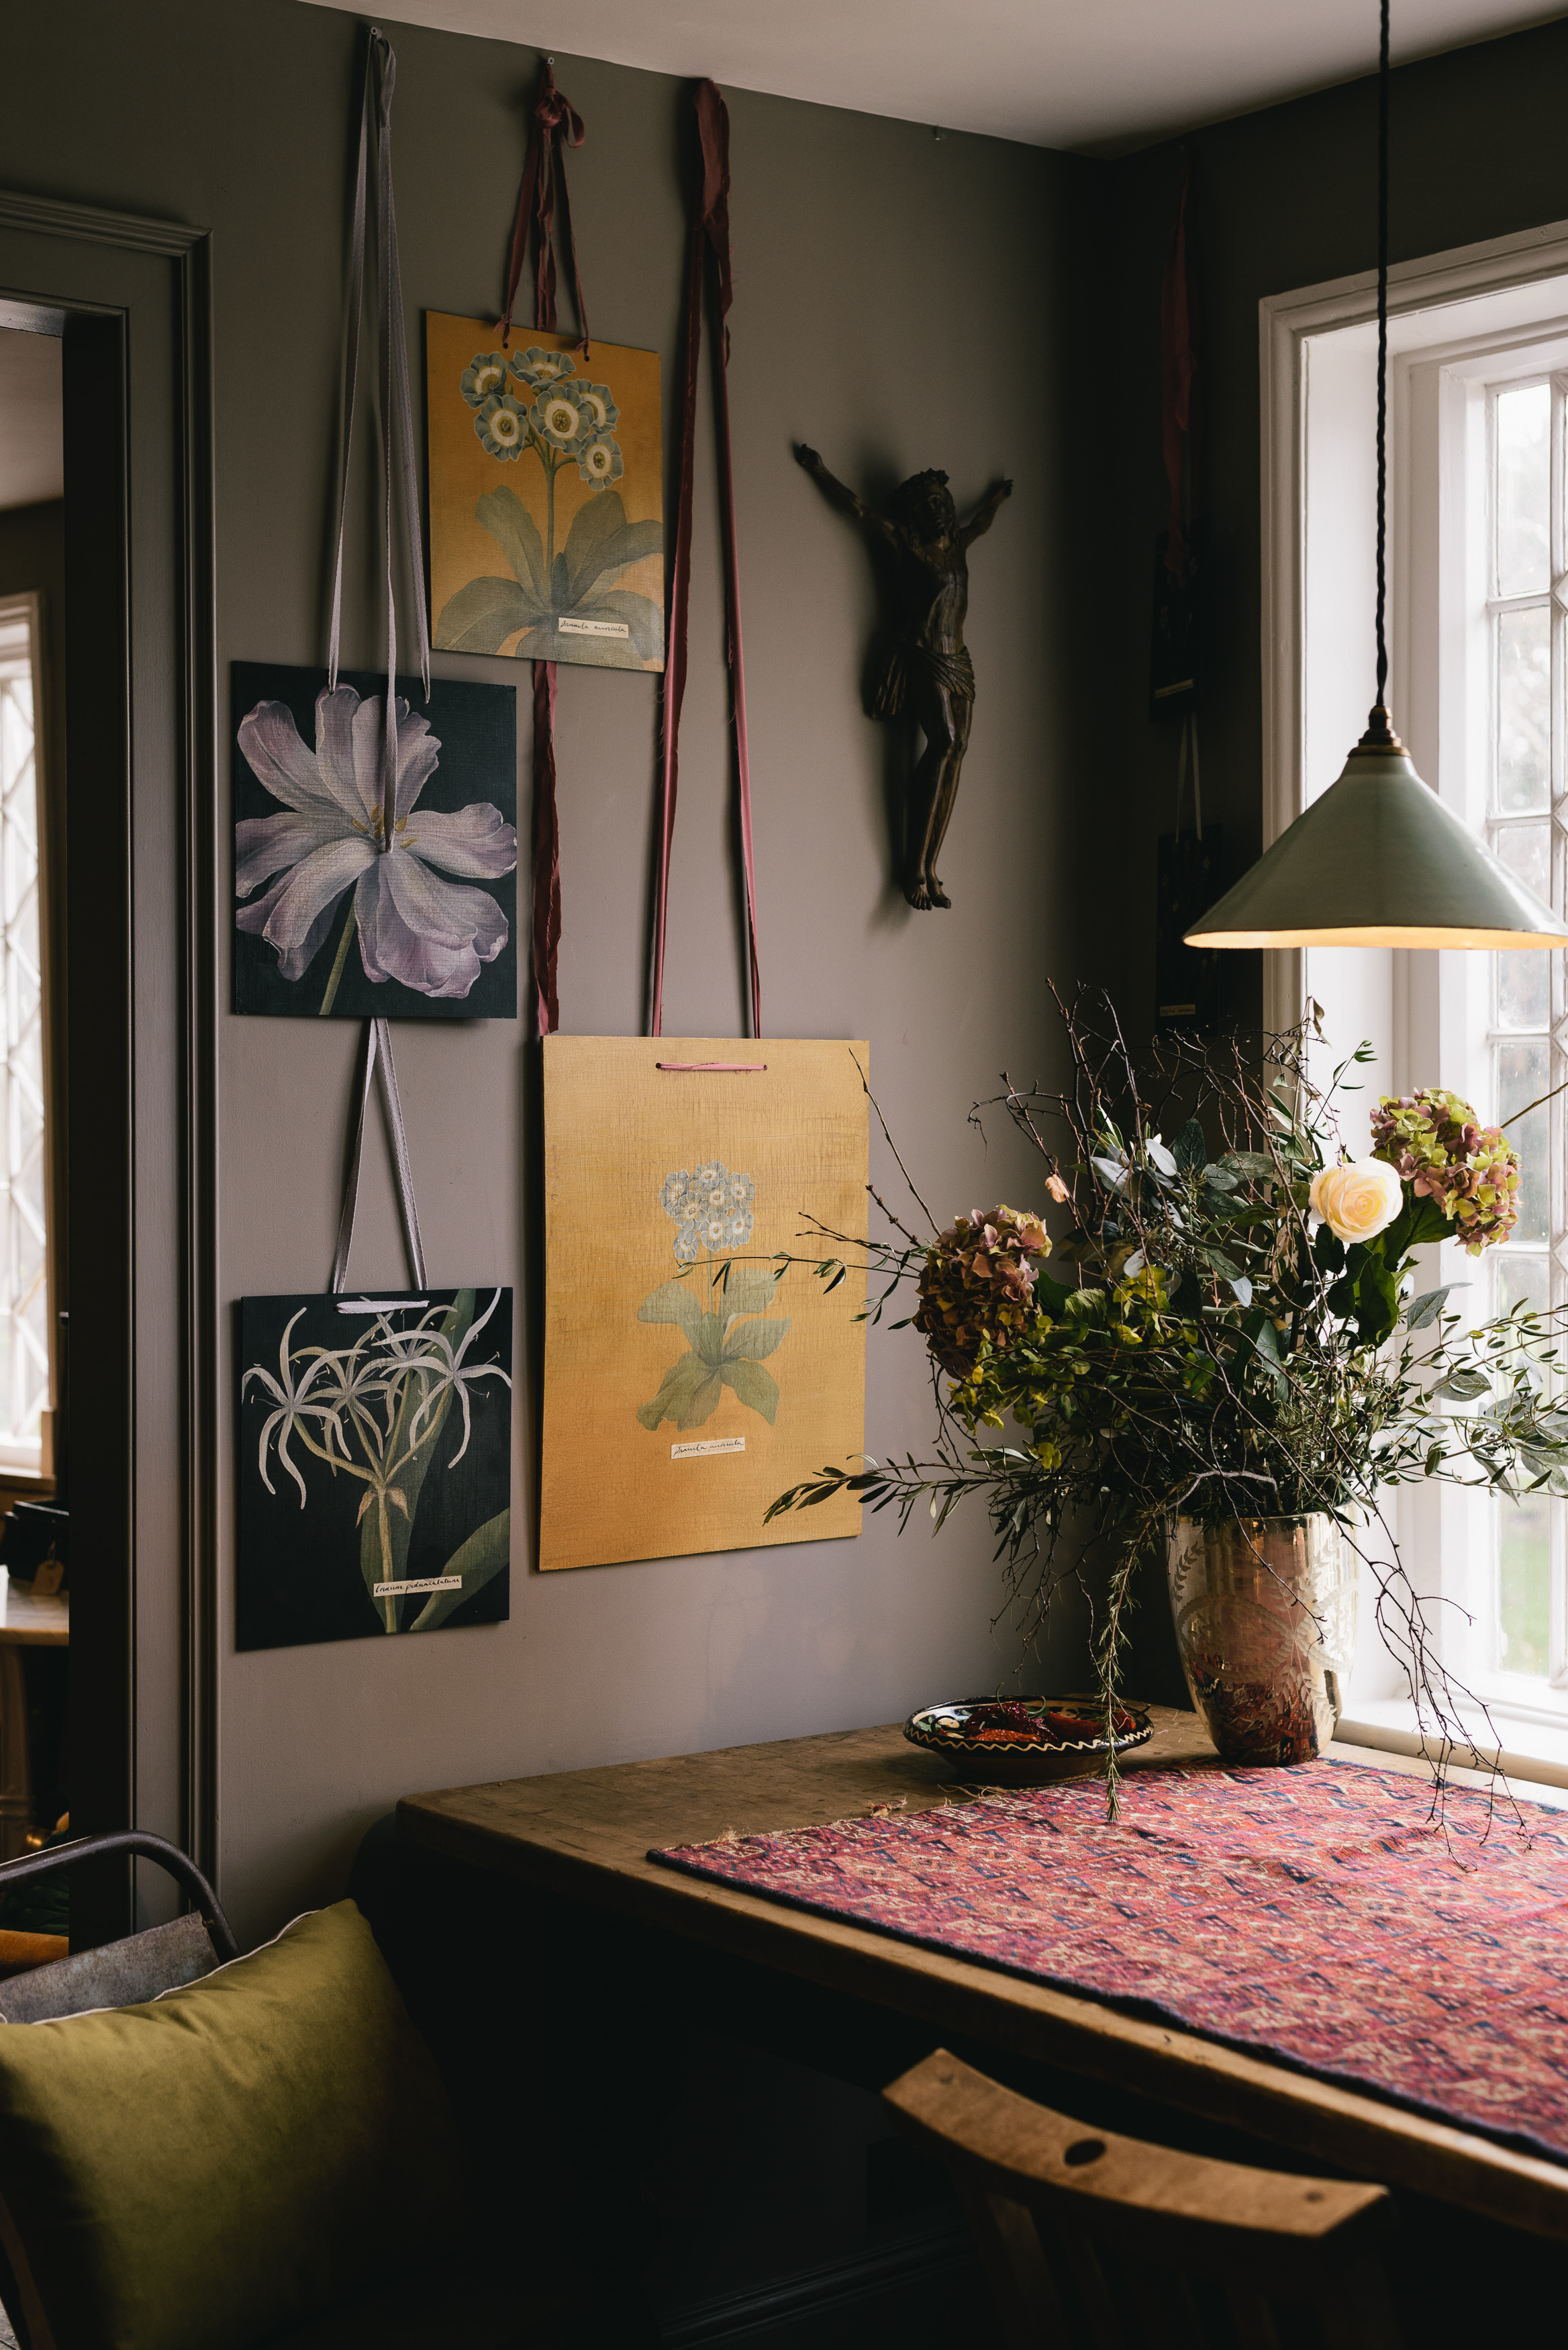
1316 1915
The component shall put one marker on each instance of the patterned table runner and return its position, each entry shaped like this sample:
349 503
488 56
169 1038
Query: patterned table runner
1317 1915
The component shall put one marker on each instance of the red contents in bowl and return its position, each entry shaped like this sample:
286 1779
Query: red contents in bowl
1007 1722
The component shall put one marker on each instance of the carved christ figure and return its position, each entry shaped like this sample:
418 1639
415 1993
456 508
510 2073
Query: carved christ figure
923 665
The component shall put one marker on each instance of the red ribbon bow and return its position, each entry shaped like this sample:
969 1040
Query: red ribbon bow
557 126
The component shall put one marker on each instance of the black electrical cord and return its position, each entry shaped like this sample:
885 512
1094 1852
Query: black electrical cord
1382 356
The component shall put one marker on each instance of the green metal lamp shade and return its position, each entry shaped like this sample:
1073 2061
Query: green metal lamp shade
1378 861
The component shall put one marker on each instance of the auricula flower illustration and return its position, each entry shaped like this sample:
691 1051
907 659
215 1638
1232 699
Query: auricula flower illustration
599 462
541 406
727 1329
485 376
414 925
501 427
540 368
561 418
598 399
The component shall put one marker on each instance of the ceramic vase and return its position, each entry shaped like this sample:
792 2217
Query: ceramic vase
1265 1624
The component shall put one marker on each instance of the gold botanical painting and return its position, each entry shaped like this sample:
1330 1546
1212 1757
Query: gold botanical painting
692 1371
547 500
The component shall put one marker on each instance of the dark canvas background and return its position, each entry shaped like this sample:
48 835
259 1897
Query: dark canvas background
299 1578
476 726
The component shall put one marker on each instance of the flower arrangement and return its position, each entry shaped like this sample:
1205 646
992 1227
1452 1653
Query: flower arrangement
1225 1328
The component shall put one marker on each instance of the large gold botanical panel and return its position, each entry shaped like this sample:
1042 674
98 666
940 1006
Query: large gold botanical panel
692 1370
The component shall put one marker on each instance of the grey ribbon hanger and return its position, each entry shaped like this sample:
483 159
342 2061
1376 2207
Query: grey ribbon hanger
380 79
378 1055
398 440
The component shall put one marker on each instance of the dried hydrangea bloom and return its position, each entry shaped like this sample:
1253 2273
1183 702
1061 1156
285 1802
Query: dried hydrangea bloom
1437 1144
978 1283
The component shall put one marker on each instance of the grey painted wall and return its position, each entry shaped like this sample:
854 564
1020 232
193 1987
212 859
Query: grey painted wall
901 301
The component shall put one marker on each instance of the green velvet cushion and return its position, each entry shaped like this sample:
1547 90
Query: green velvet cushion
201 2172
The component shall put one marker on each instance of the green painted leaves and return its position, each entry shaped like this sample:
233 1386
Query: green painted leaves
547 588
726 1347
483 1555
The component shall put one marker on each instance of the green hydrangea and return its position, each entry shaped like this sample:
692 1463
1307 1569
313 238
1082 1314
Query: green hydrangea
978 1283
1437 1144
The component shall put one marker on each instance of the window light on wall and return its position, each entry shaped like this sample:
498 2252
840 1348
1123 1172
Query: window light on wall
26 1321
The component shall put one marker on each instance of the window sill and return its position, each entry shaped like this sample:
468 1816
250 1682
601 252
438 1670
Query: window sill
1531 1751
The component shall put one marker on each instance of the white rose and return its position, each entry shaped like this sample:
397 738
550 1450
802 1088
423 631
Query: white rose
1358 1202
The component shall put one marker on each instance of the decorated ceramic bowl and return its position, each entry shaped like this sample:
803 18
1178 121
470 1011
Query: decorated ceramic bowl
1019 1742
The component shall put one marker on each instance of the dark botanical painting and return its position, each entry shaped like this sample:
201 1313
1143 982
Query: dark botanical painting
375 1464
347 906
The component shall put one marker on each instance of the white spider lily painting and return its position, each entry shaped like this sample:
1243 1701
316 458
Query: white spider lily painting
376 1464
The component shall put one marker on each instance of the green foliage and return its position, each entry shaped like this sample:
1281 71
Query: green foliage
483 1555
1218 1356
571 585
726 1347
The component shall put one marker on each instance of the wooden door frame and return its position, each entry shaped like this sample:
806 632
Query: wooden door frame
133 299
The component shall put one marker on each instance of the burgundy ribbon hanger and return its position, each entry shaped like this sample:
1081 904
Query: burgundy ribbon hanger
557 126
710 246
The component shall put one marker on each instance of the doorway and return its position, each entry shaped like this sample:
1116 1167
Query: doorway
35 1600
129 1417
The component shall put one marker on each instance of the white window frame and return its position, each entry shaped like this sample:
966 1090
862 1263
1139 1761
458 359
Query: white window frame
1492 294
21 1463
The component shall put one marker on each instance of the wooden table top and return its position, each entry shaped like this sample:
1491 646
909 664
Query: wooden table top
28 1620
585 1835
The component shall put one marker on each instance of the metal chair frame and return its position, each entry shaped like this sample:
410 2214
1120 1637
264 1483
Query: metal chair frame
135 1845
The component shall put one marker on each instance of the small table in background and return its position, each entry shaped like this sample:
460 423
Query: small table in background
27 1621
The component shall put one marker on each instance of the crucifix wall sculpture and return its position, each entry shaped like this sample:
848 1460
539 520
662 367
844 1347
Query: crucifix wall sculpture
922 664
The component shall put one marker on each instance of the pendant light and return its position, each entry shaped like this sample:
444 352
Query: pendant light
1379 861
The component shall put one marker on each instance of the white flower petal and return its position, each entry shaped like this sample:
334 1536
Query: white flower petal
276 755
430 934
477 842
265 845
369 754
296 915
418 752
337 720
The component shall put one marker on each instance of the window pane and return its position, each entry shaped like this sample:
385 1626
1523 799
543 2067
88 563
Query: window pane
1523 1279
1521 1078
1523 710
1525 1586
1523 489
24 1203
1524 980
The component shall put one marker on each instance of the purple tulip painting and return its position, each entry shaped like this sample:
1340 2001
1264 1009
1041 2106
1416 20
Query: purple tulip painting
353 901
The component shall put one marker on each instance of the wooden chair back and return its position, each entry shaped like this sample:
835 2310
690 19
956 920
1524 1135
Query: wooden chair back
1092 2242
